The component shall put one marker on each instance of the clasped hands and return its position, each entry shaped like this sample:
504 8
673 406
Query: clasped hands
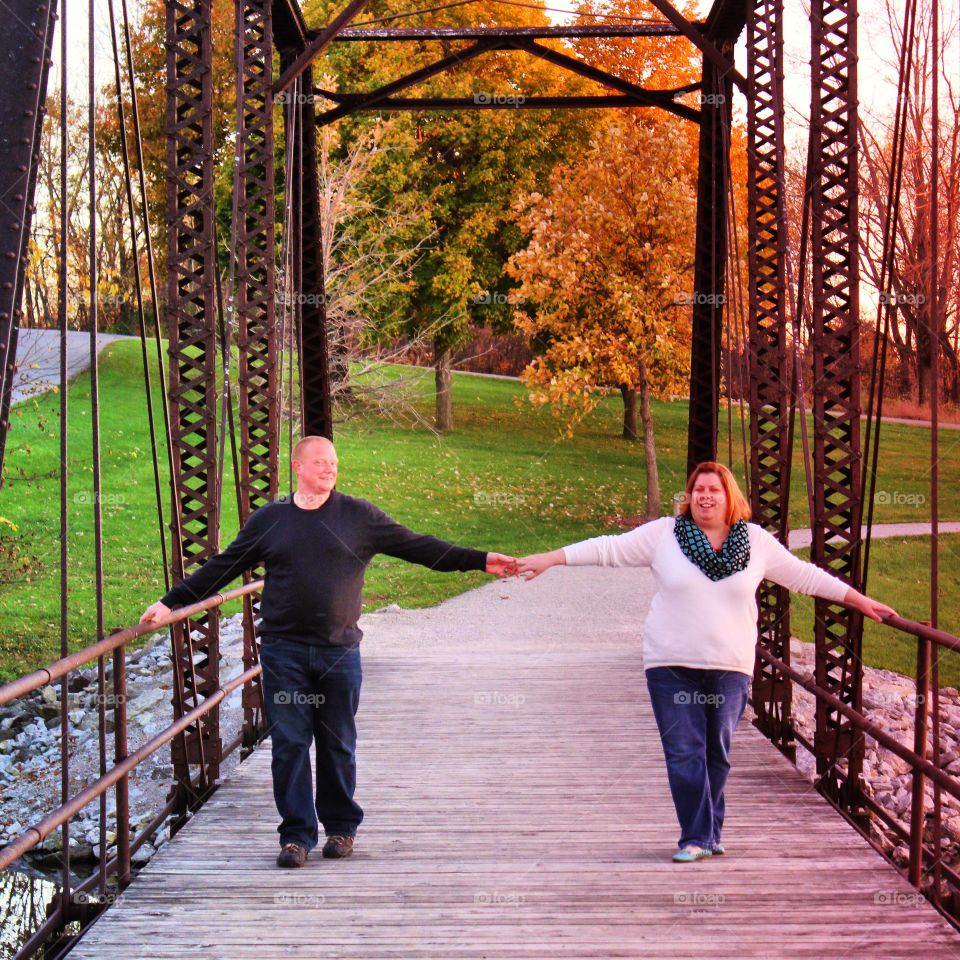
527 567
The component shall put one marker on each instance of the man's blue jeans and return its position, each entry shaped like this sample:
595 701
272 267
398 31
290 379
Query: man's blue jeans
696 713
311 695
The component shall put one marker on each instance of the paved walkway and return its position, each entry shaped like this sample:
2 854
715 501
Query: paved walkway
38 359
516 807
803 538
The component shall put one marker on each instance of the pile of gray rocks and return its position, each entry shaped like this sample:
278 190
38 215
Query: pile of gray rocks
30 771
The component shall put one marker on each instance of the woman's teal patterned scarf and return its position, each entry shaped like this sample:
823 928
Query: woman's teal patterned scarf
733 556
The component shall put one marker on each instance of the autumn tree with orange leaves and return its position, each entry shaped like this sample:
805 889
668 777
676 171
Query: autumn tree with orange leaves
603 276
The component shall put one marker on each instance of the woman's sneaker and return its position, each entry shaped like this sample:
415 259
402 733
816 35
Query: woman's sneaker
691 853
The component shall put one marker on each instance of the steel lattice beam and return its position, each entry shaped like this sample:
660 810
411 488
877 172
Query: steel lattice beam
769 371
24 67
192 326
837 507
255 298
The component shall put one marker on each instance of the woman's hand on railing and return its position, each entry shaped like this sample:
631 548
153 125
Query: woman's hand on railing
156 611
867 606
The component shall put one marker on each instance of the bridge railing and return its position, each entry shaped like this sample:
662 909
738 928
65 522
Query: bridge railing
926 869
83 902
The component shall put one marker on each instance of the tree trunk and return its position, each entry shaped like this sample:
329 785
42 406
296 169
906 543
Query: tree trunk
923 379
629 395
340 367
28 301
649 447
441 364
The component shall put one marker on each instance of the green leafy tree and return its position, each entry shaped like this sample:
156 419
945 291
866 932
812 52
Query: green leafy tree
467 166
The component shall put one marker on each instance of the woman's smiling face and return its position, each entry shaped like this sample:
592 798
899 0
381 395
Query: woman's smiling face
708 501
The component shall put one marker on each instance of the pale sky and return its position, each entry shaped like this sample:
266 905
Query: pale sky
877 85
877 81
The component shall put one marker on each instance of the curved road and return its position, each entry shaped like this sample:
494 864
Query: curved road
38 359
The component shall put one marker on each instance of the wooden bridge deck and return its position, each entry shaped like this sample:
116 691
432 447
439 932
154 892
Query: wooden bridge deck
517 806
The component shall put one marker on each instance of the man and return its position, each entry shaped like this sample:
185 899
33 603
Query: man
316 547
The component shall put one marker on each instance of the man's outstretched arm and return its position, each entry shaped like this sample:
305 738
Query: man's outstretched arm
394 539
245 552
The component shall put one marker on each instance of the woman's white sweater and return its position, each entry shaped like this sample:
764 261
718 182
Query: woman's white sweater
695 621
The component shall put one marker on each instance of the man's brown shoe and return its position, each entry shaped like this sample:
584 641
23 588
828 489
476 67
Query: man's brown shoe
292 855
337 847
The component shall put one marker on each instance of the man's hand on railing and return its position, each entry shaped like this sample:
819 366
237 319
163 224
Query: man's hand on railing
156 611
867 606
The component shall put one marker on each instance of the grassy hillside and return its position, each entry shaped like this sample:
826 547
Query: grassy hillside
503 480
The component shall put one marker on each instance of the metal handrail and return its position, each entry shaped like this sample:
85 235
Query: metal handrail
927 637
61 911
45 675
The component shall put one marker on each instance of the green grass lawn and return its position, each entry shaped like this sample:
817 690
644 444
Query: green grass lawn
502 480
899 576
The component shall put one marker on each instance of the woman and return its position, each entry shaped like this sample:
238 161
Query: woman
700 636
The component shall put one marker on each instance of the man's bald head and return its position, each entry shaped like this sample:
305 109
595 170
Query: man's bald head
304 448
315 464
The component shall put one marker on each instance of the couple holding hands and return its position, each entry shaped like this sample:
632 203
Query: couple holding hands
698 639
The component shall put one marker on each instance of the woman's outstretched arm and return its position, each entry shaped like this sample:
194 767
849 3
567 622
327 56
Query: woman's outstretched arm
869 607
536 563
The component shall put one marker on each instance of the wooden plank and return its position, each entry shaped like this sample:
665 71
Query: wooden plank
517 806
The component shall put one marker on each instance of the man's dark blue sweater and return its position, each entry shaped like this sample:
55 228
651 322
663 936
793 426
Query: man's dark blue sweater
315 562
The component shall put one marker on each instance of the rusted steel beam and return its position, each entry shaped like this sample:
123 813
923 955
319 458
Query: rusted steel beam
715 49
581 31
710 252
382 97
309 291
652 98
255 301
192 329
836 387
255 290
24 66
769 369
726 19
512 102
289 27
299 64
371 99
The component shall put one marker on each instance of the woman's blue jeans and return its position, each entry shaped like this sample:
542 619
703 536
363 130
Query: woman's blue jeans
696 713
311 695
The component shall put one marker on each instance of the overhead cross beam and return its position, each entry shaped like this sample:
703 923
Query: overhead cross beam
704 42
520 103
578 32
653 98
371 99
633 95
